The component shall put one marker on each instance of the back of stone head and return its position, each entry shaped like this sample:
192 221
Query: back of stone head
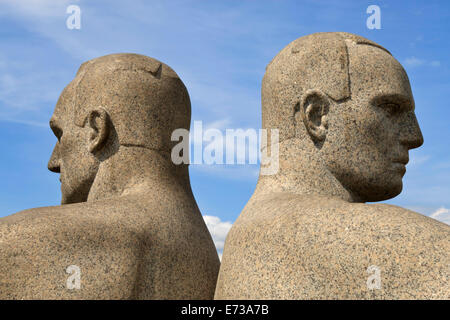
145 98
316 61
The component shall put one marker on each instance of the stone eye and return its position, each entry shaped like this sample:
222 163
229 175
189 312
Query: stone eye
390 108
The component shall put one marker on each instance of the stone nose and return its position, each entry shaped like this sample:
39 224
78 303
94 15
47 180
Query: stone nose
411 135
53 163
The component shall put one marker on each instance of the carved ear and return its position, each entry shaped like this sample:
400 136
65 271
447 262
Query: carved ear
313 110
99 125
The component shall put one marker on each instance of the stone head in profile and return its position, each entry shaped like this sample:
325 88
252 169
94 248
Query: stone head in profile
345 112
115 102
346 119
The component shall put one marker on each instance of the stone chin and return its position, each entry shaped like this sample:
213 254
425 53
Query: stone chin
77 194
391 188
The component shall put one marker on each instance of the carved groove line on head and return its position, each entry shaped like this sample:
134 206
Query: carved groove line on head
144 98
155 69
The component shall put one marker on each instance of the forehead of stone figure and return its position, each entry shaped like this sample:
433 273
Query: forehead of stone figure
375 74
63 113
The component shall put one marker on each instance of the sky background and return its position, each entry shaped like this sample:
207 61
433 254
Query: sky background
220 50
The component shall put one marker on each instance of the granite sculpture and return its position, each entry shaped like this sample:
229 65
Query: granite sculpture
345 114
128 226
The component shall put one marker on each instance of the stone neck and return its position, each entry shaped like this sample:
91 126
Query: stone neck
302 171
133 171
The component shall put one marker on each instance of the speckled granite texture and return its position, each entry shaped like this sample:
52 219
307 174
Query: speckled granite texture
128 218
345 113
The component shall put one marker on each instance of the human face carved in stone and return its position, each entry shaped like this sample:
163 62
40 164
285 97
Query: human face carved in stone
71 156
369 135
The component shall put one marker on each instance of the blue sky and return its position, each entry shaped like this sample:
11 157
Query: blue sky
220 50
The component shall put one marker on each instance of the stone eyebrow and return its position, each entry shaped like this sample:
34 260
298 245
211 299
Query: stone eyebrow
397 98
52 122
393 96
57 131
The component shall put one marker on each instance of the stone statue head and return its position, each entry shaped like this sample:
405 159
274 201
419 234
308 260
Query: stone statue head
115 100
346 102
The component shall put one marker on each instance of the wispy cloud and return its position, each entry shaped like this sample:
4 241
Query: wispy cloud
209 30
435 63
221 124
28 123
36 8
416 62
28 92
219 230
417 160
442 214
248 172
225 141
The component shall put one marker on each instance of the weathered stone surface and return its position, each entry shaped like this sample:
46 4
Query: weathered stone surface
345 113
129 220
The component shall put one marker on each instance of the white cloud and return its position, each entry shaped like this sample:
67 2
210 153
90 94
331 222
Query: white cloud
36 8
442 214
242 143
219 230
247 172
28 123
417 160
416 62
435 63
27 90
221 124
106 28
